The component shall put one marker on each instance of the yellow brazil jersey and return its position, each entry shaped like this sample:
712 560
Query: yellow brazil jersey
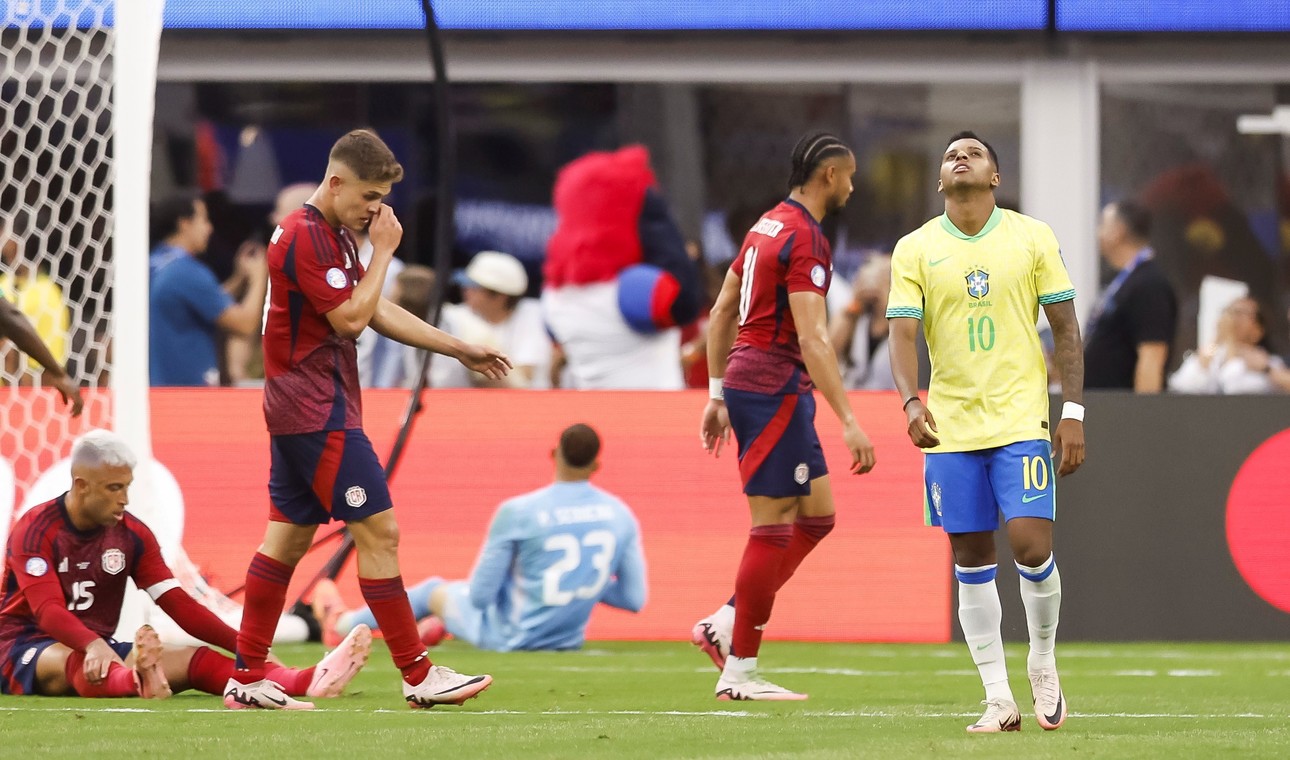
41 300
978 297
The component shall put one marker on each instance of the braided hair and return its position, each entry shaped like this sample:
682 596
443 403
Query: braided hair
810 152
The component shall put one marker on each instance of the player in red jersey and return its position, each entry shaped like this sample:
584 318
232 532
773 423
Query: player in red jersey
323 466
65 576
768 347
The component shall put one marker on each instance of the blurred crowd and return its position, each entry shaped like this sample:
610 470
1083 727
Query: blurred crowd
618 300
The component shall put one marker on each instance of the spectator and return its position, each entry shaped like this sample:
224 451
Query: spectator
242 352
494 312
1129 335
613 218
187 305
1237 362
859 332
391 364
31 289
551 557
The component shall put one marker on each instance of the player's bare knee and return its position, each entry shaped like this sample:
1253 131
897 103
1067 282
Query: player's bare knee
1033 556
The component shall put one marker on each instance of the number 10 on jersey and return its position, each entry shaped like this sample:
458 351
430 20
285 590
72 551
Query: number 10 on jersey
980 333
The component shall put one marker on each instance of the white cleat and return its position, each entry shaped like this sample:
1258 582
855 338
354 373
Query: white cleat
754 689
1050 703
713 638
444 686
1000 715
338 668
263 694
149 676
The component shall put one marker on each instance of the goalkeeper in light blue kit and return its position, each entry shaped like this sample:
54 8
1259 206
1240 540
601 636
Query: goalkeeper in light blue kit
551 555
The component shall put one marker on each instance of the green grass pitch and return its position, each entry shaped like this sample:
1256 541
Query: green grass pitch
654 700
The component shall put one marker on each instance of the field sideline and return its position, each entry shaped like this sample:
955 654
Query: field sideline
653 700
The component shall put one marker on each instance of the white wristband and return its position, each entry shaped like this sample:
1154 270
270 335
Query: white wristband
716 391
1073 411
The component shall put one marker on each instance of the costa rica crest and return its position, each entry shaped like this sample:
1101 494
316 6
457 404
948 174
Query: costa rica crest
113 561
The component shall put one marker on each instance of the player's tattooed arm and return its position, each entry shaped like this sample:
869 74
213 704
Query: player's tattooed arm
1068 439
1068 349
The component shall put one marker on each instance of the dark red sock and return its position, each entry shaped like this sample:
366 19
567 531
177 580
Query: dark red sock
388 601
119 681
293 681
807 532
209 671
266 595
755 585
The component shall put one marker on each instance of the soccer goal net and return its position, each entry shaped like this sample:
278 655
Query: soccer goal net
56 172
77 88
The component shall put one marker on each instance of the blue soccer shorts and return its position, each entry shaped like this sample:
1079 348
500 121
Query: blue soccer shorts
966 491
317 477
18 660
779 450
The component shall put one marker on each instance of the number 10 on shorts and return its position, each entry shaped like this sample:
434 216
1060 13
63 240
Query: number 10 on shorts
1034 473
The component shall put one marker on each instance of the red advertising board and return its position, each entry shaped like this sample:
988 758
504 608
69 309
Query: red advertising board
880 576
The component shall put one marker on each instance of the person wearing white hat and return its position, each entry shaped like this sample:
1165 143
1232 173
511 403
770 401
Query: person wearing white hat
494 312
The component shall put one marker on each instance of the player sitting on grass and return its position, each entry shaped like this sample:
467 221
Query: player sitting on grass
64 583
552 556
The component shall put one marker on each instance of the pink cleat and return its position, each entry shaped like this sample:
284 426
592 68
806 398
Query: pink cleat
1000 716
1050 702
754 688
334 672
713 638
444 686
263 694
148 673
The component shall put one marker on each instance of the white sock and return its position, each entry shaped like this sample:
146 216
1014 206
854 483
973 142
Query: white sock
739 668
981 616
1043 601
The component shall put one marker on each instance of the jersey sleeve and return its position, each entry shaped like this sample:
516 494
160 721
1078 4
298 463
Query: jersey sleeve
808 265
318 270
906 298
1052 282
204 295
151 573
629 589
489 575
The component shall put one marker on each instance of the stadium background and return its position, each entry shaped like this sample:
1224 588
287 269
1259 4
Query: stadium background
1087 104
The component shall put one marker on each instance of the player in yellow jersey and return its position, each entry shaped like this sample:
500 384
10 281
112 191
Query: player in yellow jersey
976 277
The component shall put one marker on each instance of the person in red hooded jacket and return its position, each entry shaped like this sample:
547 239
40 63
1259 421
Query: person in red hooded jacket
617 280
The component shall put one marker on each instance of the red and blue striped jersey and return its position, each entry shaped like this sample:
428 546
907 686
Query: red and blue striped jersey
90 567
785 252
311 372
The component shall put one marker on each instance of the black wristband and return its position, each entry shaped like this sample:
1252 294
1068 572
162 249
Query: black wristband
905 405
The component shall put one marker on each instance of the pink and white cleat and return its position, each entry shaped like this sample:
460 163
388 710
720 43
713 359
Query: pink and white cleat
1050 702
148 673
754 688
711 636
263 694
1001 715
334 671
444 686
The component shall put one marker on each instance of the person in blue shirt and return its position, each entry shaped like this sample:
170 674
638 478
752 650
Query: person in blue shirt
550 557
187 304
